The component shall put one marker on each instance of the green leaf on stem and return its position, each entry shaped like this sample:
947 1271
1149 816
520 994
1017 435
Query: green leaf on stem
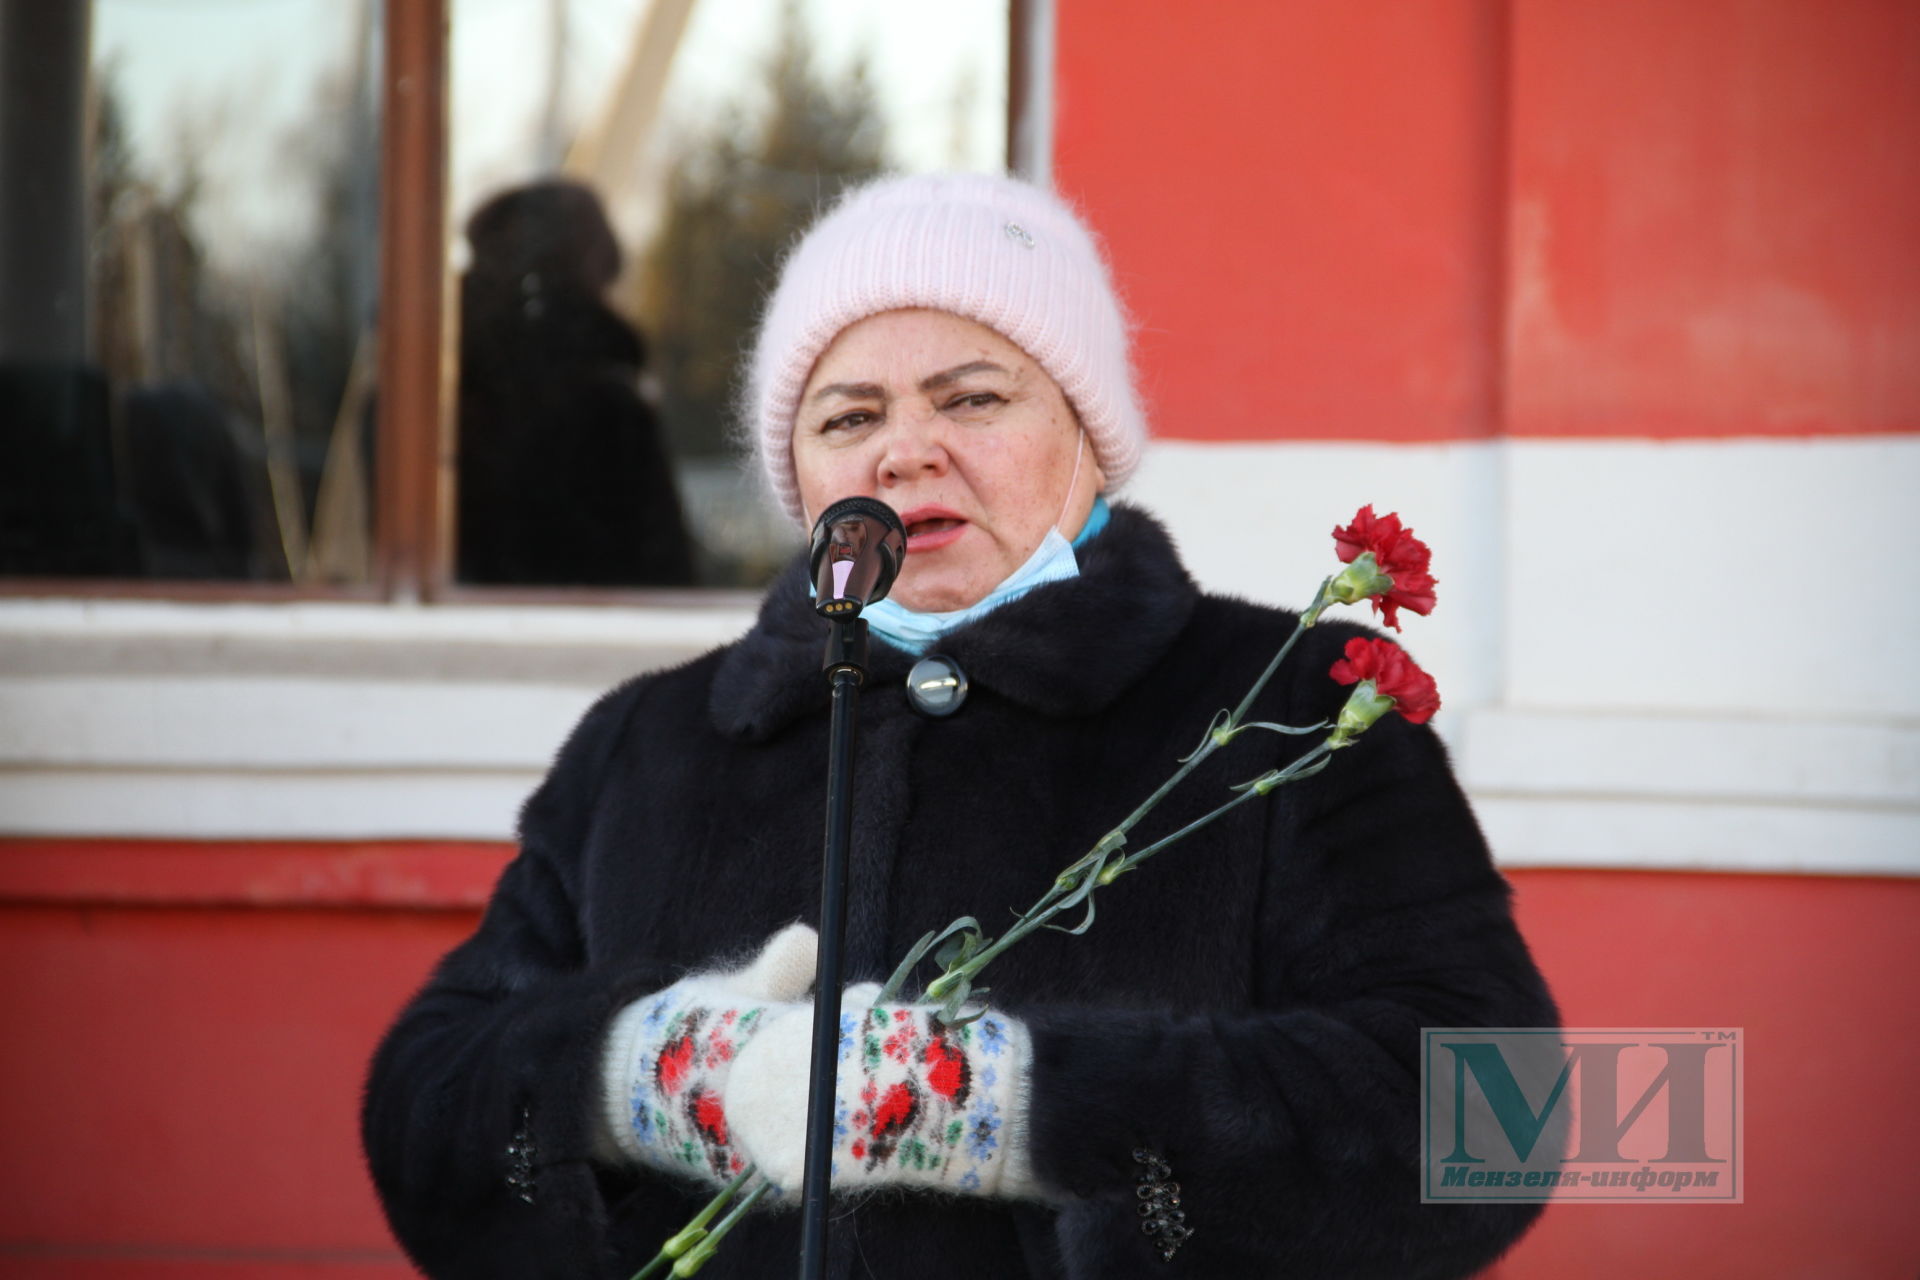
1219 733
918 952
1310 770
961 988
1087 923
1285 728
904 970
960 1018
959 948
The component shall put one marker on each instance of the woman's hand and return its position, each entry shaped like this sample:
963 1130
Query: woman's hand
917 1103
671 1058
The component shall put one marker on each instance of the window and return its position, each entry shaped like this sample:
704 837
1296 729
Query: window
424 299
186 360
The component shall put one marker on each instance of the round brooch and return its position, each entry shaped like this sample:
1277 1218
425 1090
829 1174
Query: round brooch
936 686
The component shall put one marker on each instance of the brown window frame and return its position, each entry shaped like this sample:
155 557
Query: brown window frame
414 440
411 537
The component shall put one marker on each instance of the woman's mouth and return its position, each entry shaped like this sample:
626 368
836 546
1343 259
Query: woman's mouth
931 530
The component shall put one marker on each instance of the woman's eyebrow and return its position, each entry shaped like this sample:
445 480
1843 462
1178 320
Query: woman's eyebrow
852 390
933 382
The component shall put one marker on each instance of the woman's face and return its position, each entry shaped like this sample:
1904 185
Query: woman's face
959 431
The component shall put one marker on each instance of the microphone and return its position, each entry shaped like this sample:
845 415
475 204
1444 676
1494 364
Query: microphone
858 544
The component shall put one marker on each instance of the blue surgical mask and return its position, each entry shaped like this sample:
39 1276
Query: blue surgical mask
916 632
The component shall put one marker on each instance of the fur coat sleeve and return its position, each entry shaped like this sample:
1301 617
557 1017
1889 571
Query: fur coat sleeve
478 1115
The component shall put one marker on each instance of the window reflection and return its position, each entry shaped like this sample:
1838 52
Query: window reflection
564 478
708 130
188 232
209 418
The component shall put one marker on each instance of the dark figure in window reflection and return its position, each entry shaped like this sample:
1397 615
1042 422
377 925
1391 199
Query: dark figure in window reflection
563 478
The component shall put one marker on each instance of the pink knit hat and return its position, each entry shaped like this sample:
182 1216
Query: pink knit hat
997 251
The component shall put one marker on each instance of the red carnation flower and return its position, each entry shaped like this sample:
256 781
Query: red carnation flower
1393 675
1398 554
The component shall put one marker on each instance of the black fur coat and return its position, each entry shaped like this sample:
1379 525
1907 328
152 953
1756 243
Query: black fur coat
1246 1006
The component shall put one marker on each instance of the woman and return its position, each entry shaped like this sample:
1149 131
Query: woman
1243 1017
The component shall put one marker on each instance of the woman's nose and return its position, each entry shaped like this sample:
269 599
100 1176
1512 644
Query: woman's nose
915 446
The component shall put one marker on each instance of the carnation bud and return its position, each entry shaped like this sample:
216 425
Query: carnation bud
1360 580
1364 706
680 1245
696 1259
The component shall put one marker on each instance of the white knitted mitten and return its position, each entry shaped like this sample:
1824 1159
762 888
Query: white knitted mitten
917 1104
670 1056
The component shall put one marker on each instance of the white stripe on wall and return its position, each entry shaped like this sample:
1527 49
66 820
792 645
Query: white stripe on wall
1666 655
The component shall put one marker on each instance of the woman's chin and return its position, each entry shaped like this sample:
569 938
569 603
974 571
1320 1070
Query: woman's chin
933 597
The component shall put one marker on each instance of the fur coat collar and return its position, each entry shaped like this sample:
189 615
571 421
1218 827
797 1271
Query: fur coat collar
1051 650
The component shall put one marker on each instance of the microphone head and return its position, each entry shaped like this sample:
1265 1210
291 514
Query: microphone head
858 544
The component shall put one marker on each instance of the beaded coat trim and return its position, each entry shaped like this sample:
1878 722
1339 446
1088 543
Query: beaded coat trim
1161 1218
520 1150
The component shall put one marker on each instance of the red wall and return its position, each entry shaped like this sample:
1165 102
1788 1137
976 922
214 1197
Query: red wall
187 1026
1824 976
185 1050
1302 202
1715 214
1379 220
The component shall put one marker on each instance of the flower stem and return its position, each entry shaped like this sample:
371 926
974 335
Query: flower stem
1191 763
1133 860
699 1255
1258 788
1307 619
1094 863
689 1236
1051 903
1234 718
1033 918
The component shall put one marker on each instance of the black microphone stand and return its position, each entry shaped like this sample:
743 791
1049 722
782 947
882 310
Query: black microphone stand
858 545
846 668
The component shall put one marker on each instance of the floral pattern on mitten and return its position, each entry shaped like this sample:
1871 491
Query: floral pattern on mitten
670 1059
918 1103
676 1105
932 1101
